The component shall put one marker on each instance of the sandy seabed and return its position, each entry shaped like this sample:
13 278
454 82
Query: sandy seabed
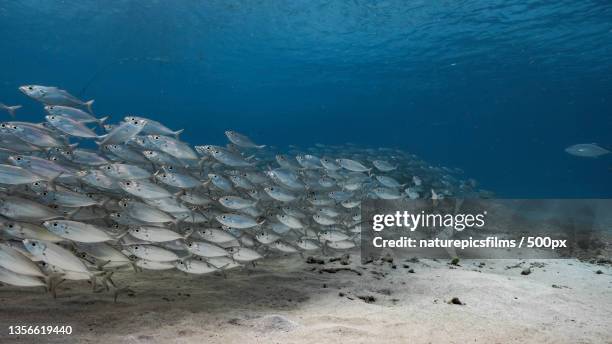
286 300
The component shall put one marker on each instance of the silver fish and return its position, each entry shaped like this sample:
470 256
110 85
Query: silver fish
74 113
241 140
50 95
55 255
144 189
22 209
153 127
123 132
18 280
70 126
15 261
152 253
587 150
77 231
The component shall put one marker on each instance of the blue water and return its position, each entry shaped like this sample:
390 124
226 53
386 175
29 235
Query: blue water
497 88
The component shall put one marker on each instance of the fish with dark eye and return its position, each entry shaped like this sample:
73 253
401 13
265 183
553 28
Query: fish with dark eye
23 209
51 95
238 221
74 113
123 132
55 255
153 127
14 175
78 231
125 171
36 136
71 127
156 234
241 140
47 168
15 261
144 189
178 180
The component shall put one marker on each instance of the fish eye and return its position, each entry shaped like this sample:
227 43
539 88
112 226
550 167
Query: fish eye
18 158
156 137
30 88
55 224
52 117
135 247
33 244
45 193
128 183
10 226
108 168
137 230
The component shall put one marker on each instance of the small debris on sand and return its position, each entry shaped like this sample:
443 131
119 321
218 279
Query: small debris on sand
334 270
313 260
367 298
455 301
345 259
526 271
599 272
387 258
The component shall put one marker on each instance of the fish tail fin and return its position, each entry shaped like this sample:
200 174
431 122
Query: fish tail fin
89 104
72 213
102 139
177 133
188 233
102 120
11 110
121 235
51 181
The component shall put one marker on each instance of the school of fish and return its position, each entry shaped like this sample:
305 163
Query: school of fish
80 198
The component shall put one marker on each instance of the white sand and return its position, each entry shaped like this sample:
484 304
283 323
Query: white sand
283 301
